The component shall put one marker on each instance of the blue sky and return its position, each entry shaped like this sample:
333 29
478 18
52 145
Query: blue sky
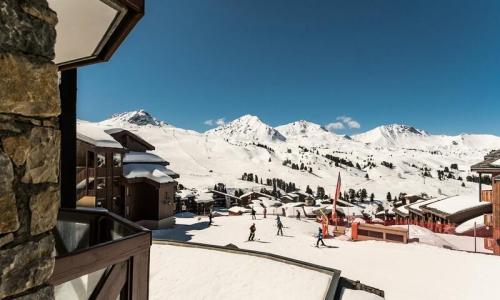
431 64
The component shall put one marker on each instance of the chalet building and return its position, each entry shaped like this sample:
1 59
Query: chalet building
441 214
252 195
115 171
222 199
187 201
491 166
99 169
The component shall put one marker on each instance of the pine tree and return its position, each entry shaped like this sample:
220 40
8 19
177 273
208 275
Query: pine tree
309 190
363 195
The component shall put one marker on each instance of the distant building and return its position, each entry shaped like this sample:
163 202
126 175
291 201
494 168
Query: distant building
116 171
491 166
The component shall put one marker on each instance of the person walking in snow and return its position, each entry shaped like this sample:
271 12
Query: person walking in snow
278 220
320 237
280 228
253 214
298 215
252 232
210 216
265 212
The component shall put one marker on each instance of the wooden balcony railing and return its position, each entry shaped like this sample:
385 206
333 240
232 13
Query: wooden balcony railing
100 255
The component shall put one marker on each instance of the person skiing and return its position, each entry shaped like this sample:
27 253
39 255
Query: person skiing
280 228
298 215
265 212
253 214
320 237
252 232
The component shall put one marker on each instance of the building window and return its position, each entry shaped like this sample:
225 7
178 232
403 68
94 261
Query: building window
101 184
117 160
101 160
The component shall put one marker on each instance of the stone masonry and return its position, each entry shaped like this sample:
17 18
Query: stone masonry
29 148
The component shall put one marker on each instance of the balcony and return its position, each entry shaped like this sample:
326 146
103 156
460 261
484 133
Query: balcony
100 255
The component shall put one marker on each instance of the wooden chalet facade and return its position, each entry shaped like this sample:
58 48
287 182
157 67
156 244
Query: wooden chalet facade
98 169
115 171
491 166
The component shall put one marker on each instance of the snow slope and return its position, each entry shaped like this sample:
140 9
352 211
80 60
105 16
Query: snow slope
411 272
223 154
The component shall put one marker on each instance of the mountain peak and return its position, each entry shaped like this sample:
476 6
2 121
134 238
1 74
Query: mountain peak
301 128
402 129
138 117
248 127
391 135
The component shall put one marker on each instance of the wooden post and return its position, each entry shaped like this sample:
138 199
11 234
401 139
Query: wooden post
475 236
480 187
67 120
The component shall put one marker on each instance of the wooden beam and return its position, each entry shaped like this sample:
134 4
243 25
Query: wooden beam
84 262
111 284
67 123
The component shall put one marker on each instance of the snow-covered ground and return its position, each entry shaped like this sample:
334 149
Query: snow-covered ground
450 241
192 273
413 271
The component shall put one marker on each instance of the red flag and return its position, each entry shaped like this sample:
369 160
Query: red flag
337 195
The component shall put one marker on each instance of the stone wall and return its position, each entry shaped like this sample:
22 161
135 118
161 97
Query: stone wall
29 148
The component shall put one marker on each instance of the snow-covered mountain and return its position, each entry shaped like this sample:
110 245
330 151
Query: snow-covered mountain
403 136
307 133
138 117
301 128
247 128
223 154
390 135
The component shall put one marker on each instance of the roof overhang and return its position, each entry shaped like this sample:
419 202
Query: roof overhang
90 31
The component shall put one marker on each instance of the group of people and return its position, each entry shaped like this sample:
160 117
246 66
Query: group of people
279 224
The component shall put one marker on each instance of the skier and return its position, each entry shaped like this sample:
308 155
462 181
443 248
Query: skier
298 215
253 214
320 237
280 228
252 232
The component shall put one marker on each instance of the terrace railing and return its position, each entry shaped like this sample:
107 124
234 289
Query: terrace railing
100 255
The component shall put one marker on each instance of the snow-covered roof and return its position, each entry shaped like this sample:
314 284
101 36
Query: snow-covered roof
454 204
417 205
155 172
183 194
142 157
238 209
95 135
349 211
204 198
496 163
469 224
